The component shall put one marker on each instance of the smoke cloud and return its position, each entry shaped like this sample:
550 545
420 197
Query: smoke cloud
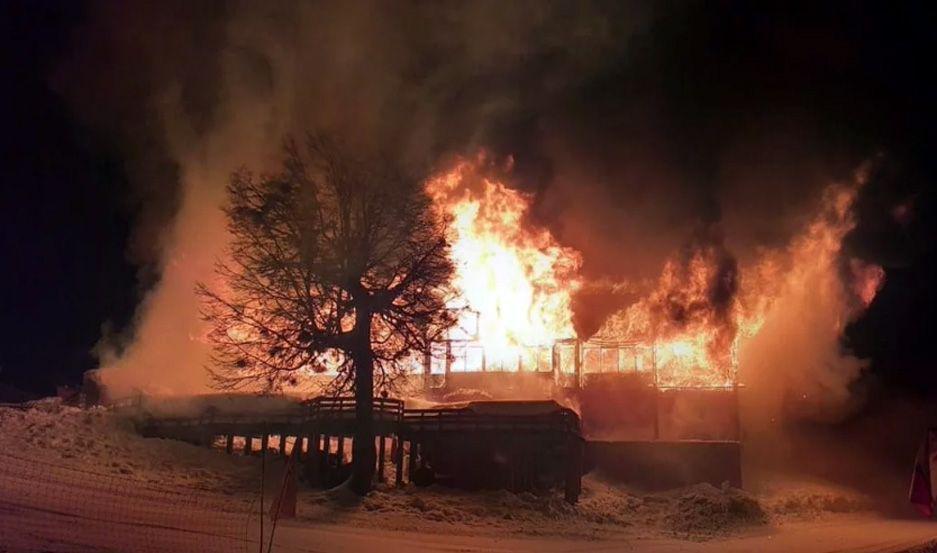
629 131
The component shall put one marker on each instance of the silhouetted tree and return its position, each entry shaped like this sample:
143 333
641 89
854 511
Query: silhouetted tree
338 263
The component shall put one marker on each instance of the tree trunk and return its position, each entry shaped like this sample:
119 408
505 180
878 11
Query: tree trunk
363 454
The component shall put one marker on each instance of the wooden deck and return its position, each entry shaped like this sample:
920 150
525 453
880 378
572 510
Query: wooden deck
420 442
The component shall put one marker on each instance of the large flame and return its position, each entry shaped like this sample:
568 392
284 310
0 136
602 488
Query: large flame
693 319
514 275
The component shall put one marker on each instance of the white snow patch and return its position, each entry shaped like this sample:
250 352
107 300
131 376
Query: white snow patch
98 440
102 440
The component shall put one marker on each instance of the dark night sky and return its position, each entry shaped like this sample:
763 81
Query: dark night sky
861 70
64 217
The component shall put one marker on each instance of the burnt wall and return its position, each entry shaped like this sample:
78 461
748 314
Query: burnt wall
628 407
661 465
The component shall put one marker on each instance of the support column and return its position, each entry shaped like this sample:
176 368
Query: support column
314 458
411 462
737 418
448 359
574 464
326 451
398 460
380 458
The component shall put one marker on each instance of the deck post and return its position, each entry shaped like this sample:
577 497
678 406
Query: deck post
264 442
380 457
248 445
229 444
574 464
411 462
427 369
326 451
311 460
736 419
555 364
448 359
316 456
398 460
283 445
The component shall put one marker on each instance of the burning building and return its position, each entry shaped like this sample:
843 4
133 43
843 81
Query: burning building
515 288
654 363
663 362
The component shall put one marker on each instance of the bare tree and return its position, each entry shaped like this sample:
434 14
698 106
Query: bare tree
337 264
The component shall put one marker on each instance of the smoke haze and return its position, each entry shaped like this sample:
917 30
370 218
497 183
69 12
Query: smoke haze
630 130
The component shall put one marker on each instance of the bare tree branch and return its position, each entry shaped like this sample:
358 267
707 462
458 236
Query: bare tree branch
338 264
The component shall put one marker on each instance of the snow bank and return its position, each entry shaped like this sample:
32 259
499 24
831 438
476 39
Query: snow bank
604 511
102 440
704 510
809 500
98 440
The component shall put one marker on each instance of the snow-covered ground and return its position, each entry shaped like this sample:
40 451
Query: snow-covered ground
95 458
98 440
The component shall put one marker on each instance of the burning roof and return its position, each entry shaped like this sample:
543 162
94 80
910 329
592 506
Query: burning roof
517 284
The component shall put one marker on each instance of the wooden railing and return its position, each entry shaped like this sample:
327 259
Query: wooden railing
332 408
317 424
386 410
442 420
315 410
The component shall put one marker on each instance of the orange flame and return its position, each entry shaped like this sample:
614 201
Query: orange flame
516 277
694 318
